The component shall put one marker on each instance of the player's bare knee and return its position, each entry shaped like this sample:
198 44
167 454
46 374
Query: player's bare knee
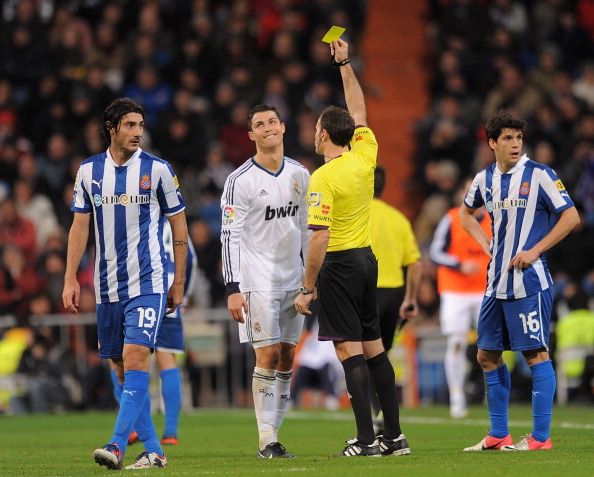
489 360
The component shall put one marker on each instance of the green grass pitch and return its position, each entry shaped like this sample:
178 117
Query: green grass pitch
224 443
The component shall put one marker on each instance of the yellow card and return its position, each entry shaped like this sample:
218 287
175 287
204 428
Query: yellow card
333 34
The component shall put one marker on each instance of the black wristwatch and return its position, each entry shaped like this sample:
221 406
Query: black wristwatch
305 291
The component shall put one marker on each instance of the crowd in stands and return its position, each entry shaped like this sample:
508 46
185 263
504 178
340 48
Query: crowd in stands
198 66
535 59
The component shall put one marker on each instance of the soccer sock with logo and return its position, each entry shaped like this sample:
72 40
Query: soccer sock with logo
146 428
171 392
282 393
543 393
384 381
136 384
117 387
498 388
263 391
356 375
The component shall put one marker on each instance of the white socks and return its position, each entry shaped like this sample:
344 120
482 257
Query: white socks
271 391
263 390
283 395
456 366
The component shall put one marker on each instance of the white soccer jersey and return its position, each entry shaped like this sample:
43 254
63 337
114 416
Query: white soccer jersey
128 203
264 227
524 204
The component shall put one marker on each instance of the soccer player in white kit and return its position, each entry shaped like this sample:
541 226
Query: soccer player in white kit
264 239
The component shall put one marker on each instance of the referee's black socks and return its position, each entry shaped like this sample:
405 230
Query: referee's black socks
384 381
356 373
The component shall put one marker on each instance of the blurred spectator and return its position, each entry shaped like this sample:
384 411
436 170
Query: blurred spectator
572 40
208 248
318 370
37 208
583 86
16 230
563 257
44 367
575 344
234 139
54 164
148 90
18 282
512 90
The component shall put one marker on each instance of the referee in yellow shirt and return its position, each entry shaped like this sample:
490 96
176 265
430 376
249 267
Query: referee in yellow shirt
395 246
339 196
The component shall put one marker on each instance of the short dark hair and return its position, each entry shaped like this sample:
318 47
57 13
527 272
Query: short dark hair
379 181
502 120
339 124
260 108
113 114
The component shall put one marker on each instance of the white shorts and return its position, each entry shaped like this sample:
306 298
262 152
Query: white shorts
271 319
459 312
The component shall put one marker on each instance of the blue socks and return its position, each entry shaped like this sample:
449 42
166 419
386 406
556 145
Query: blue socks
146 429
133 397
117 387
498 388
171 391
543 393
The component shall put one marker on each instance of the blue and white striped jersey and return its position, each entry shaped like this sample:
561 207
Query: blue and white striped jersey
264 232
191 262
524 205
129 204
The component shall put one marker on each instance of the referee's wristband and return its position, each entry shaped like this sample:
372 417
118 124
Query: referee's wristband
338 64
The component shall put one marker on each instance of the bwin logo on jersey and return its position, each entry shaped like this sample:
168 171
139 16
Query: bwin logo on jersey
279 212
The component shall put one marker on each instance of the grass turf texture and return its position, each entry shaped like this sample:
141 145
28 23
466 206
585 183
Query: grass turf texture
224 443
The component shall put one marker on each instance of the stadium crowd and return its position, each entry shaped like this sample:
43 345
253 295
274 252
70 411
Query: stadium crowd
197 68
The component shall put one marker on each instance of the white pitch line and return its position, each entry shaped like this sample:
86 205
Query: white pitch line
437 421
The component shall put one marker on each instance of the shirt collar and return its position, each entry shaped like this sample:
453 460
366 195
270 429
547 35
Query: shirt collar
518 166
128 163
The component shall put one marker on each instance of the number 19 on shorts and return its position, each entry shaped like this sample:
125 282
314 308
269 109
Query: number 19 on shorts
146 317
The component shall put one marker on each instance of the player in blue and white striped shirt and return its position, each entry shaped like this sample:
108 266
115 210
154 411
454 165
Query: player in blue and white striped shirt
129 192
170 342
530 212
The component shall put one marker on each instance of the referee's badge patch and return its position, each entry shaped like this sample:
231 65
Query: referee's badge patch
315 198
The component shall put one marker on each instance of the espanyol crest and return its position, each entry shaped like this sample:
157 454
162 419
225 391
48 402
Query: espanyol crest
145 182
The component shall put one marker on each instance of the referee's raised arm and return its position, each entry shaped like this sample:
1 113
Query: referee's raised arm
352 89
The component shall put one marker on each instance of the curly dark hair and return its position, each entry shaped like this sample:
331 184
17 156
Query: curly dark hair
503 120
113 114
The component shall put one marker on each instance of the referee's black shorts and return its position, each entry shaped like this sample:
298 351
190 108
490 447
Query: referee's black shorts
347 287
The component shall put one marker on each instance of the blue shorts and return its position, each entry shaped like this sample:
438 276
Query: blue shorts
520 324
133 321
171 333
